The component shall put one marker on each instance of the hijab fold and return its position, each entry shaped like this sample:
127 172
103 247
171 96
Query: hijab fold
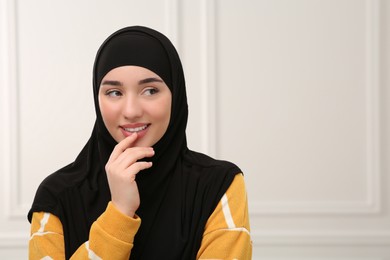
180 191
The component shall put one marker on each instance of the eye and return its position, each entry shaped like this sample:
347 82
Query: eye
113 93
150 91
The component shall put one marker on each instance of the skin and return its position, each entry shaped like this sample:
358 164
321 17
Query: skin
130 99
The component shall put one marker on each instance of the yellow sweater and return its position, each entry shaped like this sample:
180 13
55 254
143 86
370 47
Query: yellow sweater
226 235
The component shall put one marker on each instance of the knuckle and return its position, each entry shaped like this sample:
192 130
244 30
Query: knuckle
109 168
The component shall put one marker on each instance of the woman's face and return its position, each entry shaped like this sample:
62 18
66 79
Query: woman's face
135 99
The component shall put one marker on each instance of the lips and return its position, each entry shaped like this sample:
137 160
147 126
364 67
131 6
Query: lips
135 129
139 128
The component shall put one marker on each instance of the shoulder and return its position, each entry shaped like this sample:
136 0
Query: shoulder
237 186
207 173
203 161
232 210
58 181
236 196
50 189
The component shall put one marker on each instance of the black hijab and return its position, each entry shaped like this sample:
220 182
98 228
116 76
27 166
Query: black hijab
180 191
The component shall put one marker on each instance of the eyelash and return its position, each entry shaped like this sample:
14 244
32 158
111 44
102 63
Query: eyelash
153 90
113 93
148 92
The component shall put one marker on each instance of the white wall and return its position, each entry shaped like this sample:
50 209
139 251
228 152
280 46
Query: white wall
293 91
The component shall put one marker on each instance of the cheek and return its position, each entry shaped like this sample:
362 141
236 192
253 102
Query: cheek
109 112
165 110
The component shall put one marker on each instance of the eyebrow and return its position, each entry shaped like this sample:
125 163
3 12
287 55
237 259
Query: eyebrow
112 83
149 80
142 81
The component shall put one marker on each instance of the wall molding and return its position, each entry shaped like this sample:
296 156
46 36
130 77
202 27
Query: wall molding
321 238
324 208
14 240
372 202
14 207
209 113
10 103
172 21
270 238
9 108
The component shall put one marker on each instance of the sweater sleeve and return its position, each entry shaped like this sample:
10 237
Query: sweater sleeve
111 237
227 231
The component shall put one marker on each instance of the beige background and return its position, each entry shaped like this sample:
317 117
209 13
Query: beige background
293 91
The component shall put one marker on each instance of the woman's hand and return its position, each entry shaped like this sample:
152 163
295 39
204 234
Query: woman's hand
121 170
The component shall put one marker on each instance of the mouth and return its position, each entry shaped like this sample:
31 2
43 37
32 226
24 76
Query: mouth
135 129
140 129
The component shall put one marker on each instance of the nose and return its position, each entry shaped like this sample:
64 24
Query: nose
132 108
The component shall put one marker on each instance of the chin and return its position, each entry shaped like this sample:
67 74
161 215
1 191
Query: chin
141 143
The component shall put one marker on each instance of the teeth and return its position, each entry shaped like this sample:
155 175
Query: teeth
136 129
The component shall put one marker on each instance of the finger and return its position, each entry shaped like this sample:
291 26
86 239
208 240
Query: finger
122 146
137 167
132 155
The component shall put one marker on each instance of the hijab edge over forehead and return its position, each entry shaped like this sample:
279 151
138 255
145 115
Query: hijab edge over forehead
132 48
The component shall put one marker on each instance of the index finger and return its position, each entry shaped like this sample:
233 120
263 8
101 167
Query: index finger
122 146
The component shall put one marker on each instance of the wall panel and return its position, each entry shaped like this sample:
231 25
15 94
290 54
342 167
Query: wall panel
298 108
294 92
47 52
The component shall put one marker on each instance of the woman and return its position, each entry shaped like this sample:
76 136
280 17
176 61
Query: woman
135 190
